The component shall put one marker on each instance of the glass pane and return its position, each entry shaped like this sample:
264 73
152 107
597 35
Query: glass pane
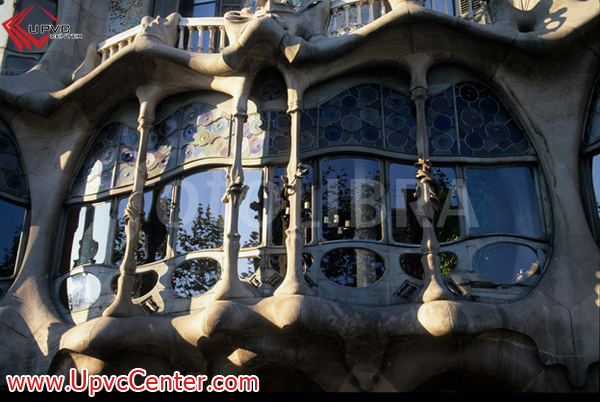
152 245
280 220
195 277
248 266
352 199
81 291
10 235
503 200
411 264
201 211
405 226
37 16
505 263
251 210
596 180
87 234
352 267
144 282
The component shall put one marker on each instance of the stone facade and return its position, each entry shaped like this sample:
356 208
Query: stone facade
294 320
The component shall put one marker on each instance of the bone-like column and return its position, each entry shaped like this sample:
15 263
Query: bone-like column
294 283
230 286
122 306
426 206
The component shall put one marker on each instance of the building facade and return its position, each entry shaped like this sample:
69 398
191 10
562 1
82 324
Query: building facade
331 195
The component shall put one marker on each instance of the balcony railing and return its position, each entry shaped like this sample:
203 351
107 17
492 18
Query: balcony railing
207 35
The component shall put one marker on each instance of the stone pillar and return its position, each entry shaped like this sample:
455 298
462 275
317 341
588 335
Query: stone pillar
294 283
230 286
426 206
122 306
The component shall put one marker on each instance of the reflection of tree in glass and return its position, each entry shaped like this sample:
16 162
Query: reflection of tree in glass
206 231
9 259
411 264
449 229
280 220
341 186
152 243
341 266
195 277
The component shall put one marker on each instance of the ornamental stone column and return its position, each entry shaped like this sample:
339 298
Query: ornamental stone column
229 285
294 282
122 306
426 193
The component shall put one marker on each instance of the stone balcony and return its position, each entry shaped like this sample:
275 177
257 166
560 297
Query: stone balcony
208 35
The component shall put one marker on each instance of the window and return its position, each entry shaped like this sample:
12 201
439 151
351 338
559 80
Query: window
590 161
14 207
491 221
359 224
19 59
196 8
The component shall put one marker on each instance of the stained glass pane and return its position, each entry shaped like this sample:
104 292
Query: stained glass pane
353 117
505 263
353 267
203 132
486 128
352 199
503 200
253 143
400 121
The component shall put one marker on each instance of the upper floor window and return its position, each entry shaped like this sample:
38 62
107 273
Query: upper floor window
197 8
14 206
21 54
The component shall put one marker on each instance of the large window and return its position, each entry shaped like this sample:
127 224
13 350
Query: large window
359 222
14 206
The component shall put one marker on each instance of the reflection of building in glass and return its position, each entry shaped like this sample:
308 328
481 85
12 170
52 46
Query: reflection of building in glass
316 193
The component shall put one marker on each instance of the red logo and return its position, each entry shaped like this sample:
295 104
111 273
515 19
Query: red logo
20 36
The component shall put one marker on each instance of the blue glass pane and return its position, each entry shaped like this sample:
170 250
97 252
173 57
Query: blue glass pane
596 180
505 263
399 121
352 117
486 128
502 200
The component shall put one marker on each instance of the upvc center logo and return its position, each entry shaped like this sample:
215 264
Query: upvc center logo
44 31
